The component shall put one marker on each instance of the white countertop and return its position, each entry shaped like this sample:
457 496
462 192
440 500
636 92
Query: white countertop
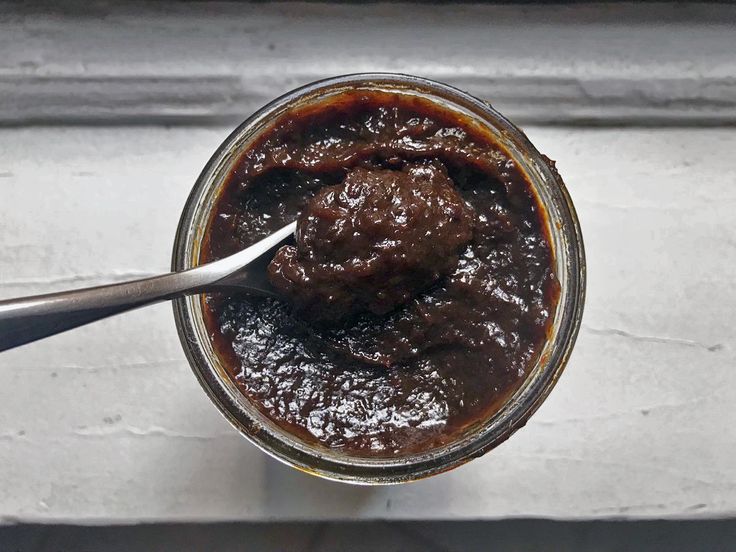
107 424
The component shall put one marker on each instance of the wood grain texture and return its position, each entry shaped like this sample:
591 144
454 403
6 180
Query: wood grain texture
107 423
187 62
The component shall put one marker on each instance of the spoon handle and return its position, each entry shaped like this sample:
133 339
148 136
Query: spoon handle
30 318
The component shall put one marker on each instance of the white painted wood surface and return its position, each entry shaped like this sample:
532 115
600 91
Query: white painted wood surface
106 423
212 62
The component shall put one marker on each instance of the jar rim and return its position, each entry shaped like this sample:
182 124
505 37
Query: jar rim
568 253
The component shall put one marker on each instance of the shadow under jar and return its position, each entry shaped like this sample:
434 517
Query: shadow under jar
437 380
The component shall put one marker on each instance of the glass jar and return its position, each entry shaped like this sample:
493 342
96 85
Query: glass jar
569 264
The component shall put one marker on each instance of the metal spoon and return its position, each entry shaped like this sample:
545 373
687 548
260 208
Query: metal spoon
30 318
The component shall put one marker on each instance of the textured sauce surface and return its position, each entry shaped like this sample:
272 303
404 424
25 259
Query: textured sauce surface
411 373
373 242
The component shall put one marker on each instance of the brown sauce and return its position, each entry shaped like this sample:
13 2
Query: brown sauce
419 291
373 242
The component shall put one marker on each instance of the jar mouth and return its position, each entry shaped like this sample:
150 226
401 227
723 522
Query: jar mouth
568 259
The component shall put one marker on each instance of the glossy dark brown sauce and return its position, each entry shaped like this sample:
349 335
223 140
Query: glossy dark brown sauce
373 242
397 368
